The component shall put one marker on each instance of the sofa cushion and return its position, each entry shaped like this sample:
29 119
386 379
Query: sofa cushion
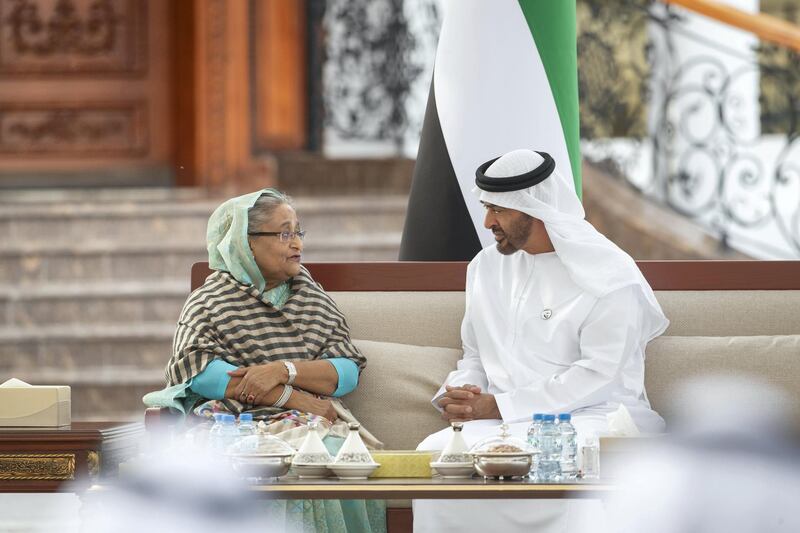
393 397
732 312
671 359
421 318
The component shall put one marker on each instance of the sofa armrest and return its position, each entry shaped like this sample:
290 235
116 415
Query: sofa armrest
155 417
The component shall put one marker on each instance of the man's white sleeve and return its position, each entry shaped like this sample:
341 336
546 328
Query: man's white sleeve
608 338
469 370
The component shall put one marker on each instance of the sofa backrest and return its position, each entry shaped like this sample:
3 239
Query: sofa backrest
732 317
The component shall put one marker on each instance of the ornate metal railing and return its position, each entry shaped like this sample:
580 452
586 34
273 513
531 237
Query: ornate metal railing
706 123
377 69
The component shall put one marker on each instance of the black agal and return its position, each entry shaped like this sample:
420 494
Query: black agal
514 183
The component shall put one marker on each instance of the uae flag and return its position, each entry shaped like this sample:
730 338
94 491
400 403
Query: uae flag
505 78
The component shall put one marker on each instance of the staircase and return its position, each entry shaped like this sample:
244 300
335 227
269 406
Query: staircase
92 283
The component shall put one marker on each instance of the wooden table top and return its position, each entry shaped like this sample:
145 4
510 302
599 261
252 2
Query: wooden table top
430 488
419 488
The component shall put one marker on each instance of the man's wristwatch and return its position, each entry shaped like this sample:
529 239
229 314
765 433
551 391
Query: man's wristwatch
292 371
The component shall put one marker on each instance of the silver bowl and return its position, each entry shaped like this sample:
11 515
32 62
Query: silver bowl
503 465
261 466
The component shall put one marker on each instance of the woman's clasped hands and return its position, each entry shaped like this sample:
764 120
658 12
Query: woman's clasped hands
258 381
263 385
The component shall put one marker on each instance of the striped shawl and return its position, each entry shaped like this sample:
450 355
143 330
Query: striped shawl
225 319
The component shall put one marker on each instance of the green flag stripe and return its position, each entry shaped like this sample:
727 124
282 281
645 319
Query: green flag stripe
552 24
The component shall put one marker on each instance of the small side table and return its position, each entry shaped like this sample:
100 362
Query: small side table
50 459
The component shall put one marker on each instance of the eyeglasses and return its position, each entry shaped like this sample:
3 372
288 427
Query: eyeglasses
284 236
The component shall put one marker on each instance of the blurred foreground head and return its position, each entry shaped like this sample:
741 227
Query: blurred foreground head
730 465
181 490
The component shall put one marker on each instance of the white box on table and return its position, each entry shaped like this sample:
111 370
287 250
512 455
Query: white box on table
24 405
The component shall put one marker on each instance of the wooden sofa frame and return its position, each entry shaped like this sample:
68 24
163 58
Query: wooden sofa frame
451 276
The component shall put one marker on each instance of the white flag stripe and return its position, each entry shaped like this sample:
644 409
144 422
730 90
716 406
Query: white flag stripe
492 92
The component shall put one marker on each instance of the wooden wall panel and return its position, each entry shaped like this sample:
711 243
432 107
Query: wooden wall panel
90 128
84 89
185 75
280 63
214 109
45 37
198 89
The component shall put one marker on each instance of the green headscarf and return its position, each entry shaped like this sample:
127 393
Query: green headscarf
226 239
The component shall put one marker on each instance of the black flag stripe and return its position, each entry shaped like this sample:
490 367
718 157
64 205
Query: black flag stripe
438 226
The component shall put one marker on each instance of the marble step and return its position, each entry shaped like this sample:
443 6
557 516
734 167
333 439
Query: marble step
111 195
85 261
92 303
26 352
32 263
109 376
145 222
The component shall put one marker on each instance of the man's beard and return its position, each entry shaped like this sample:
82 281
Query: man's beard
515 237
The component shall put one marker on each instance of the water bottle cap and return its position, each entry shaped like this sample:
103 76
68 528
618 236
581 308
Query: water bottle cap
246 417
549 418
565 416
228 418
538 416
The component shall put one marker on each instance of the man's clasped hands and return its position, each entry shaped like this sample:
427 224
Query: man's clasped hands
467 402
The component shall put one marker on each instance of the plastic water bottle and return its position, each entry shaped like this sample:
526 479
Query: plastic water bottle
590 458
214 442
247 429
533 429
569 446
533 439
550 446
229 433
246 426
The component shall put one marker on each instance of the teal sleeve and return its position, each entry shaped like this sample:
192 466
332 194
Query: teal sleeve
348 375
178 398
212 382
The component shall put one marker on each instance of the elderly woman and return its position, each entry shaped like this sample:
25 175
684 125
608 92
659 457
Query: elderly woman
261 336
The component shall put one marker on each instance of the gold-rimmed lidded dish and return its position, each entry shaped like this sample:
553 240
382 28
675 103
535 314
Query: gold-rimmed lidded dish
502 456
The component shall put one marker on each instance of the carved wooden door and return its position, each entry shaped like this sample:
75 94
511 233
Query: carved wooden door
85 92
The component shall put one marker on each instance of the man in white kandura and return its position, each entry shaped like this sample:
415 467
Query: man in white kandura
557 319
